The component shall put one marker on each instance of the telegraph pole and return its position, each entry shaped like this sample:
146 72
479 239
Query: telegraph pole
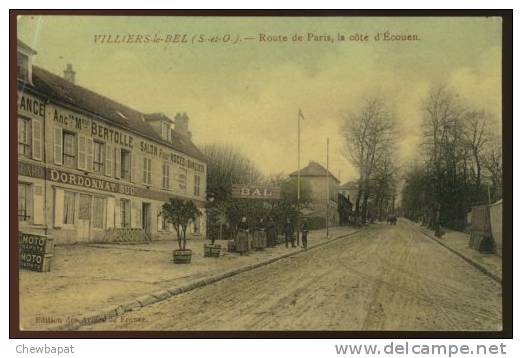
299 117
327 183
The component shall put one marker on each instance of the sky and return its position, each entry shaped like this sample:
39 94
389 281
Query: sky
248 94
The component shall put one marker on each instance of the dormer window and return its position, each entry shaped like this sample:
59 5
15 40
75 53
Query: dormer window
22 66
24 61
165 131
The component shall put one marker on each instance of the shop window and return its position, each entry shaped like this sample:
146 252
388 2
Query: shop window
99 158
166 176
125 212
24 202
85 207
147 170
68 207
99 209
125 165
24 137
197 183
22 66
69 150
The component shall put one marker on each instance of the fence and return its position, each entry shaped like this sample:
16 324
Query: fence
486 228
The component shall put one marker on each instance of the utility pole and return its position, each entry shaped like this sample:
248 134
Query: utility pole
327 183
299 117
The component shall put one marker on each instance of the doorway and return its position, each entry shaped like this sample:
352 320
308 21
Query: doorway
145 218
84 218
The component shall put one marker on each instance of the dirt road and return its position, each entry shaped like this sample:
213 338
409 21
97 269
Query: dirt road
384 278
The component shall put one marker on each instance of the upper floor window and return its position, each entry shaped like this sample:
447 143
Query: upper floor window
22 66
197 183
99 157
147 170
69 150
125 165
166 176
24 137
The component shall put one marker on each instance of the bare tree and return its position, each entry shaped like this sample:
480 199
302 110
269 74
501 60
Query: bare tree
475 138
492 159
458 145
369 136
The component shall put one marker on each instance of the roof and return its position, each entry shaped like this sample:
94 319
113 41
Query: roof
314 169
116 113
349 185
22 45
152 117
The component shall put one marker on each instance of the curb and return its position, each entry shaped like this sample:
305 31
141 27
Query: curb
107 314
470 261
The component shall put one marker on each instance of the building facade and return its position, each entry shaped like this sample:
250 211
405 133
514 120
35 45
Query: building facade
320 182
92 169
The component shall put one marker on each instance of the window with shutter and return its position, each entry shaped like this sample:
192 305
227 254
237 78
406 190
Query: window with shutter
90 154
58 207
38 205
37 138
147 170
24 202
82 164
117 162
125 164
69 150
24 137
58 146
108 159
110 212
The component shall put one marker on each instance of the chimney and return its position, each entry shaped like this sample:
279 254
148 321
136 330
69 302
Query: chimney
181 124
69 74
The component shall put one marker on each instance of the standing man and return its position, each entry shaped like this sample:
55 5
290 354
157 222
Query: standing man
259 242
289 232
242 237
271 232
304 235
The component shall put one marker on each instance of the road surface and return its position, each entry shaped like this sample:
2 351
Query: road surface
383 278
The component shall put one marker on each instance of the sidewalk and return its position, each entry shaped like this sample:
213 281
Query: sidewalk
458 241
87 278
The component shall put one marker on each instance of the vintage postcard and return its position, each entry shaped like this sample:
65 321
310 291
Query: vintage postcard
245 173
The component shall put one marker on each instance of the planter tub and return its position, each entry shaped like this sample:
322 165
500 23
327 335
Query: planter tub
212 250
182 256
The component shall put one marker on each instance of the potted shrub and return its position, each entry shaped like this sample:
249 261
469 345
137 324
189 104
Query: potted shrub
179 213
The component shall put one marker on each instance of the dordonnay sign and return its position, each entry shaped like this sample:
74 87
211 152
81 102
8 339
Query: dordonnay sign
241 191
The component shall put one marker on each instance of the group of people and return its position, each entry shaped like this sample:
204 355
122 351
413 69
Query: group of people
269 227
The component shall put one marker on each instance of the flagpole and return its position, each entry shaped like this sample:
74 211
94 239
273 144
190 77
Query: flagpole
327 183
299 114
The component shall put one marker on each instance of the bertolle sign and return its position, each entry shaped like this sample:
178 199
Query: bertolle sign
241 191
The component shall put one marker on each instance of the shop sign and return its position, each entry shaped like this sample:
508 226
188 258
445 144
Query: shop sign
88 182
241 191
35 243
59 176
36 252
69 119
30 105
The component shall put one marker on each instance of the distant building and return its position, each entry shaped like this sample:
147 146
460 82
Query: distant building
349 190
315 175
92 169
